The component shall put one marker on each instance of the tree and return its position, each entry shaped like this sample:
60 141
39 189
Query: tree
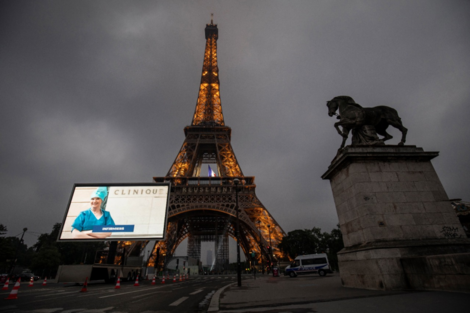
11 248
3 229
70 252
306 241
298 242
46 261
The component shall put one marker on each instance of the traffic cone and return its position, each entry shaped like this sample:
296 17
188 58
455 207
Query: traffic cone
136 281
31 281
183 277
163 279
85 285
180 278
45 281
153 280
5 287
14 292
118 283
174 278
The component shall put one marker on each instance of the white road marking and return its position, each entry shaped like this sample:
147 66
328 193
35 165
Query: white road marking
179 301
48 310
197 291
152 293
123 293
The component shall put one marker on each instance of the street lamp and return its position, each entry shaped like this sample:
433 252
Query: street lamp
13 266
236 181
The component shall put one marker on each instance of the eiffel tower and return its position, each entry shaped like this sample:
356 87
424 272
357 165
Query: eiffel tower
203 209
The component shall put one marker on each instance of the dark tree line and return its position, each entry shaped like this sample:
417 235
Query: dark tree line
44 257
310 241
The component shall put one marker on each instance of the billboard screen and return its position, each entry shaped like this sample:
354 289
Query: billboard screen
116 212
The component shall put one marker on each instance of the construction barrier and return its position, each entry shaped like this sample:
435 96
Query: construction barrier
5 287
85 285
14 292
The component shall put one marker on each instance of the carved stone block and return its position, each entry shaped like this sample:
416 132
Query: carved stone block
392 207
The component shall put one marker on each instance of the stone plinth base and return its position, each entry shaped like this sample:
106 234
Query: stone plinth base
407 265
394 213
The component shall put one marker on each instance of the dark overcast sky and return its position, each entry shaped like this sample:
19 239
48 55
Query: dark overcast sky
100 91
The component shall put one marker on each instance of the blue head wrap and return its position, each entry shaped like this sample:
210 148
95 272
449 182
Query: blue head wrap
100 192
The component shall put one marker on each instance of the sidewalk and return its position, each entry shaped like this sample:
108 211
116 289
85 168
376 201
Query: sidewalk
325 294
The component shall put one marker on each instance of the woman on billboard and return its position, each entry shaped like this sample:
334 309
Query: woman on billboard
82 227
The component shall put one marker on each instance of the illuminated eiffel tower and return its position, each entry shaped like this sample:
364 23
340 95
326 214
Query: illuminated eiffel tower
203 208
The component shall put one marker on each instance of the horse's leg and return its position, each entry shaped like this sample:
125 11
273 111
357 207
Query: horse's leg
337 128
345 137
398 125
386 135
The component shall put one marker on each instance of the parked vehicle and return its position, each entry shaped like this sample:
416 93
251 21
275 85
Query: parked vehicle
3 278
27 276
308 264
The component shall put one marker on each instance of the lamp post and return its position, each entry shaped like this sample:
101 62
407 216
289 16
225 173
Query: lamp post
236 181
12 267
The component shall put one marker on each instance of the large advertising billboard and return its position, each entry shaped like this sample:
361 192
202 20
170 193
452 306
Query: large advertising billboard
116 212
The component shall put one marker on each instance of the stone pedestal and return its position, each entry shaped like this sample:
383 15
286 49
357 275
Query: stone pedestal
399 228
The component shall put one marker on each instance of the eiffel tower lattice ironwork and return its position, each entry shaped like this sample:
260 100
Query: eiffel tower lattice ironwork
203 208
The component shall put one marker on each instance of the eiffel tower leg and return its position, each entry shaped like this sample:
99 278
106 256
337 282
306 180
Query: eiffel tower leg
223 256
194 247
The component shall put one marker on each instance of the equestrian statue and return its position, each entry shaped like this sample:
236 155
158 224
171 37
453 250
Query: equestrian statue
365 123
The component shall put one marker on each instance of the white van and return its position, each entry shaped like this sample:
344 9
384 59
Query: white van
309 263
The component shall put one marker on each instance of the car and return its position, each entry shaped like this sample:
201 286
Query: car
3 278
307 264
27 277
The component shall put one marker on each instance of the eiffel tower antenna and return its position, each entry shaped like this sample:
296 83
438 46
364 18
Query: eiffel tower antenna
203 208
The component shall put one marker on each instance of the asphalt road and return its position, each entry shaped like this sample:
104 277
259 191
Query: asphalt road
169 297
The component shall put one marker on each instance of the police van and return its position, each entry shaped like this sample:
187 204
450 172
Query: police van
309 263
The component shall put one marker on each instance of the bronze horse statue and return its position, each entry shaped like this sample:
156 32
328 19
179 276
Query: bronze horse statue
359 119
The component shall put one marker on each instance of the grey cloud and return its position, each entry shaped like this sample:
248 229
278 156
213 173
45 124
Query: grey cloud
126 75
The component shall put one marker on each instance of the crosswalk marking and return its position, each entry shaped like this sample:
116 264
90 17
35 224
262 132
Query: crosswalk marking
197 291
179 301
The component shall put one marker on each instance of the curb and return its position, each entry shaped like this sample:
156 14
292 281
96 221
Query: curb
214 305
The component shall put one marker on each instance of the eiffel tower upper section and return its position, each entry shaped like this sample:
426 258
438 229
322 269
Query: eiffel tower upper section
209 108
207 139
